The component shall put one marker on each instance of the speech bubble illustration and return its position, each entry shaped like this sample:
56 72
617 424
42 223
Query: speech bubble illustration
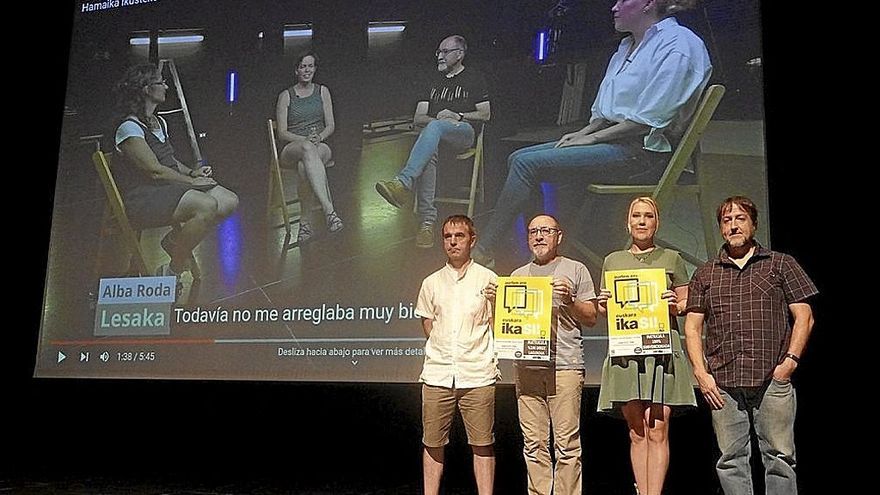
515 297
626 290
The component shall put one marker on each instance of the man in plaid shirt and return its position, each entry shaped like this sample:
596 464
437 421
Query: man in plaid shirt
754 304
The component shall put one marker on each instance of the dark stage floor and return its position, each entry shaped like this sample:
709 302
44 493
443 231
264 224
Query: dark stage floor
264 437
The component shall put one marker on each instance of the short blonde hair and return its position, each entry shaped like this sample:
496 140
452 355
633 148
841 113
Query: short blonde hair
648 201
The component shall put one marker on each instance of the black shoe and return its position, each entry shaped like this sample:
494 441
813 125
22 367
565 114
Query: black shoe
394 192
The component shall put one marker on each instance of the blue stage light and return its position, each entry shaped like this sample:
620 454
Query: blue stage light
232 87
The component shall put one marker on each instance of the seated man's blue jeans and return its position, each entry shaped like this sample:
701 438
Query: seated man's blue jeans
421 167
528 167
774 425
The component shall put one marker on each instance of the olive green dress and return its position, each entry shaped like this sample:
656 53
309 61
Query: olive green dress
661 379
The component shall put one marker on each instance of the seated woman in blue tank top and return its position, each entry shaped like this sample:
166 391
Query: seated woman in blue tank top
304 114
157 188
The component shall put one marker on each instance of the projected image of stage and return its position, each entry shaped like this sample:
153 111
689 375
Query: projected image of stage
273 364
339 306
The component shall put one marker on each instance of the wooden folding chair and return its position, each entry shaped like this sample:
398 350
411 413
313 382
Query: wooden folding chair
277 198
477 183
668 187
131 236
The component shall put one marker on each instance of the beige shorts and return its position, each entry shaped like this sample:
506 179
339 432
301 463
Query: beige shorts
477 406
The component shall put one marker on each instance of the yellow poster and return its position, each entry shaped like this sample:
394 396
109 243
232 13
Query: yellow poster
523 312
638 319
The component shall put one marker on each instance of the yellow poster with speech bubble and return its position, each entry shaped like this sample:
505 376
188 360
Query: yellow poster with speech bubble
523 315
638 319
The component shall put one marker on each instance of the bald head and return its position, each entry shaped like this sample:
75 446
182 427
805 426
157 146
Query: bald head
450 54
545 235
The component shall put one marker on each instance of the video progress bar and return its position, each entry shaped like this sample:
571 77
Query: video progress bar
318 341
167 341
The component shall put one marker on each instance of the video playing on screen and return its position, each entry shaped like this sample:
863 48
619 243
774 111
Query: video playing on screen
216 210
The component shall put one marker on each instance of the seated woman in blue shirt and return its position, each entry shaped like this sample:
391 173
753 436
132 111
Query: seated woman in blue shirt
650 90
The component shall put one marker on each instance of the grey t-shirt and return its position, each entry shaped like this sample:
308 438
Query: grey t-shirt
566 346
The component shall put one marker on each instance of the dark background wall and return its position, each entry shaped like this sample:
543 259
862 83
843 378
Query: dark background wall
298 435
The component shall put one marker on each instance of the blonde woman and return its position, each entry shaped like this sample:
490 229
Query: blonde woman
652 86
645 390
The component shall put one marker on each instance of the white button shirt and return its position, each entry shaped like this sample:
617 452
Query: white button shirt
658 85
460 352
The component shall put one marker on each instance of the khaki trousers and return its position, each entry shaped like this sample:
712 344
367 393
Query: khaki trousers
551 398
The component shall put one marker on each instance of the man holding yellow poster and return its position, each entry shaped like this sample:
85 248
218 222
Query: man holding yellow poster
638 318
548 393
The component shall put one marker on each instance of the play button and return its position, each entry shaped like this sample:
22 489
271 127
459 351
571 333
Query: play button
61 356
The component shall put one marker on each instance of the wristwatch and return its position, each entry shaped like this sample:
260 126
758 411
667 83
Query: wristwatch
460 116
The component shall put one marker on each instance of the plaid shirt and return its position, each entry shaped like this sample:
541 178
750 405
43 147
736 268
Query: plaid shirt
747 315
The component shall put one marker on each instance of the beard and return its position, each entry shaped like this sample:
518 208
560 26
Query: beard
738 241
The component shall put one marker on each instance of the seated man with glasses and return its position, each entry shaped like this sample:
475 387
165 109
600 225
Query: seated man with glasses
452 108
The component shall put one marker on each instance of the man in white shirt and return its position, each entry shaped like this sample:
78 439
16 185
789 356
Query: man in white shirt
460 368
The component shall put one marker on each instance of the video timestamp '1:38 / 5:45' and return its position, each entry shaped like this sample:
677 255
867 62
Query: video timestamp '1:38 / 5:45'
135 356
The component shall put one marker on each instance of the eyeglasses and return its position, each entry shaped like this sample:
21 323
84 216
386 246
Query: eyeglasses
544 231
445 51
163 82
